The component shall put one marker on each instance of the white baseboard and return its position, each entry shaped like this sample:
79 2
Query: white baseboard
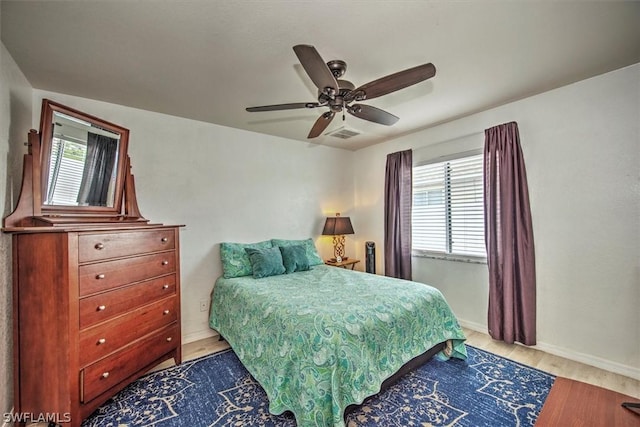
587 359
473 326
199 335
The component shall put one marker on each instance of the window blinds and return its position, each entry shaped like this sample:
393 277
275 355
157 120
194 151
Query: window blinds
448 208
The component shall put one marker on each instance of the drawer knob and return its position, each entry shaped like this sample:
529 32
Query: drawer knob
168 339
165 262
165 286
100 276
164 240
105 375
102 307
165 312
99 246
102 341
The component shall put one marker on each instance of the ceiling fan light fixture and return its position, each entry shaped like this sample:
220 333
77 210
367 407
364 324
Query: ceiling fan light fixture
337 104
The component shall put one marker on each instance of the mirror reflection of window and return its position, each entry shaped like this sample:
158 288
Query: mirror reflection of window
65 173
82 169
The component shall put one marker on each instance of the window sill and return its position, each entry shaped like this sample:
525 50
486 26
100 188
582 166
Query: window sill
450 257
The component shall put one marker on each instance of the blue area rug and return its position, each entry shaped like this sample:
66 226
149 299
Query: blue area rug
216 390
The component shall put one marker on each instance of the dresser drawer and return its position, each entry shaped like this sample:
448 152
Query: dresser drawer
104 306
97 247
112 274
105 338
100 376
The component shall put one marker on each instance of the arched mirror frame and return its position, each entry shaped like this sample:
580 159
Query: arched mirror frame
46 137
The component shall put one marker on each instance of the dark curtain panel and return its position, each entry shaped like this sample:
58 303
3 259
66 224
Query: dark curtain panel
509 238
98 169
397 214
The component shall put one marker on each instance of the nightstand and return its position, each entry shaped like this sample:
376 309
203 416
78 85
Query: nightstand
343 264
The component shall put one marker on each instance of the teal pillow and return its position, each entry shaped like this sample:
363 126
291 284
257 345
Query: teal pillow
265 262
235 261
294 258
309 247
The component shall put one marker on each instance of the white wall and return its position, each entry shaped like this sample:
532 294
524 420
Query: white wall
15 117
225 185
581 145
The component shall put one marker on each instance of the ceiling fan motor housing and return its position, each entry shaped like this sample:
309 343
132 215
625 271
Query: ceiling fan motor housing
345 87
336 102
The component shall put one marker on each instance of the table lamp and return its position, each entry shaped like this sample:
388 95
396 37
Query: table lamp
337 227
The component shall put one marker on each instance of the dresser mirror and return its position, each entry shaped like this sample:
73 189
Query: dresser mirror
82 162
77 172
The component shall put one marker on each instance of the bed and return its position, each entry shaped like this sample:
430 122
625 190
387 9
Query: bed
322 340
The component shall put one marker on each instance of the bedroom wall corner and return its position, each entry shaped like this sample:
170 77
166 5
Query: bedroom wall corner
15 121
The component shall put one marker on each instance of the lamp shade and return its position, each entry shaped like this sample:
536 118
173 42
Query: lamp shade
337 226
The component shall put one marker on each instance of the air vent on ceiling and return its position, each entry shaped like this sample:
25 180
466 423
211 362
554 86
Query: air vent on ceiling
343 133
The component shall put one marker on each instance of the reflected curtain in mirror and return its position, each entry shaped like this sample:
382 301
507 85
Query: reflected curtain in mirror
397 214
98 170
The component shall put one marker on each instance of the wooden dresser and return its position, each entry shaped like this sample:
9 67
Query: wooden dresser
95 310
96 287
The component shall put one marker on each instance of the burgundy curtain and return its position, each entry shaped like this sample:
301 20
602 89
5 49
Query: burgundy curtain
397 214
508 238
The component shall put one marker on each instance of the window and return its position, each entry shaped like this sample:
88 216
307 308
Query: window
448 208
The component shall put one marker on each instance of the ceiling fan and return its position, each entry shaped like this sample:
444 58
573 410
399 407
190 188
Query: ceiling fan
339 94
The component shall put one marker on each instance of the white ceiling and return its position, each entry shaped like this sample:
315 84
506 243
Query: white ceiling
208 60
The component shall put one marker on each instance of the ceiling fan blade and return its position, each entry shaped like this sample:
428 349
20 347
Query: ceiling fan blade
321 124
393 82
316 68
373 114
283 106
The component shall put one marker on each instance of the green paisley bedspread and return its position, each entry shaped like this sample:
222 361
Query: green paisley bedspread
320 340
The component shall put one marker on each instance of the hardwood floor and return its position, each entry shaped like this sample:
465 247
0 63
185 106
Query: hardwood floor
556 365
531 357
